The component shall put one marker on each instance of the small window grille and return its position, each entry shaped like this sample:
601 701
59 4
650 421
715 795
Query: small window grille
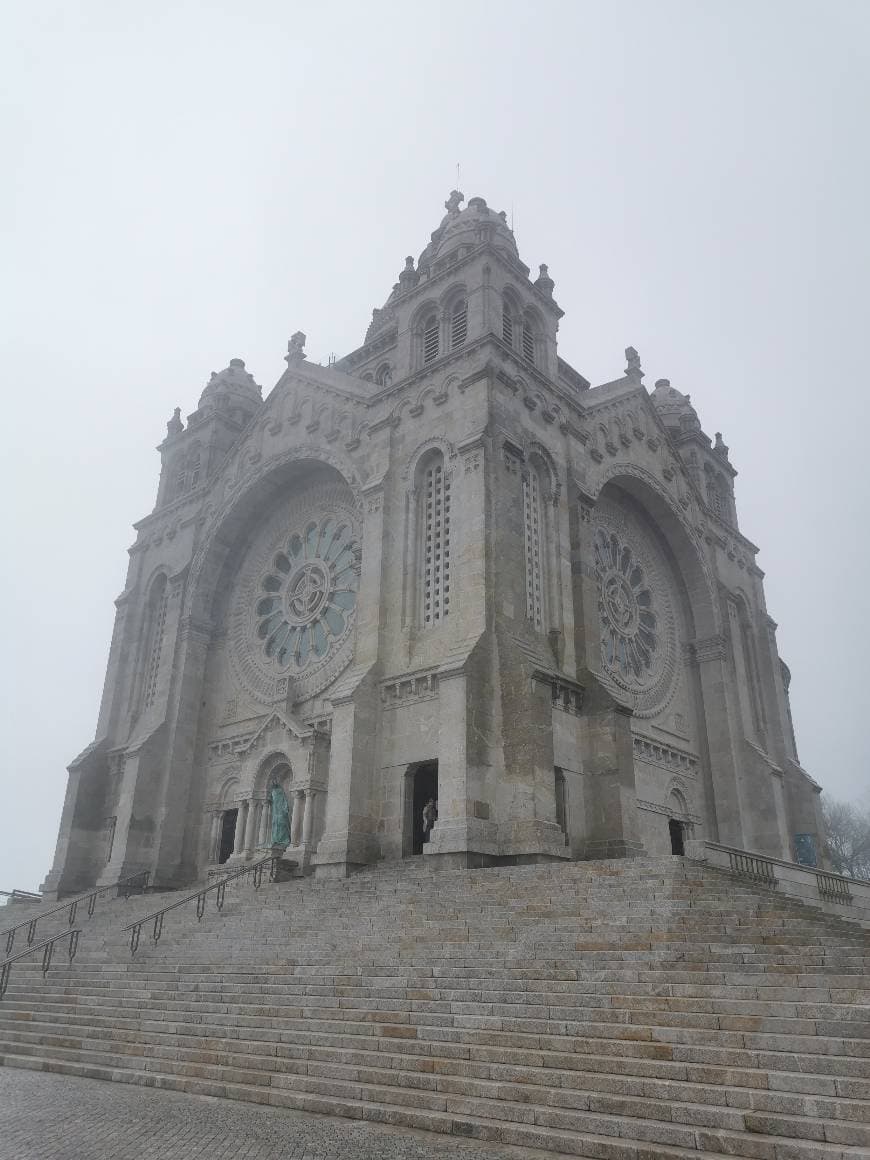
156 647
384 377
534 567
459 325
507 327
436 544
528 344
430 340
193 471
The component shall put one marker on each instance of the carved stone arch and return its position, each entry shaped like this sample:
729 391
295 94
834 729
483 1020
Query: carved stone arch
448 297
268 766
434 442
228 791
678 798
539 451
233 517
429 306
683 543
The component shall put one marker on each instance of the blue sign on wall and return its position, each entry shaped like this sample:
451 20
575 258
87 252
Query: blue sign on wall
805 849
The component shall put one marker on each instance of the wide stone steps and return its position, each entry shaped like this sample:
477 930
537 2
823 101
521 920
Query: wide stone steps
807 1034
599 1136
635 1010
578 1088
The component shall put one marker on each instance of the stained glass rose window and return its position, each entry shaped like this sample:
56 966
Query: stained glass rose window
308 596
629 624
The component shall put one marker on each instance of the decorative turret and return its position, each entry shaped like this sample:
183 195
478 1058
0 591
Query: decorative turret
544 282
231 387
174 426
470 226
675 408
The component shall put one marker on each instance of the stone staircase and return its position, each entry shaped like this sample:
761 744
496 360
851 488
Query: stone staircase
624 1010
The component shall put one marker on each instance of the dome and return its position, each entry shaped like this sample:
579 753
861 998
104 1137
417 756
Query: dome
673 406
469 226
234 385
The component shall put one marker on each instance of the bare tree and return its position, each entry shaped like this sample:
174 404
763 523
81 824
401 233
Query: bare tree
848 837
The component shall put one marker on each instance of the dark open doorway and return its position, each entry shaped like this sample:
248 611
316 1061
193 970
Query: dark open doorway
421 787
677 832
228 834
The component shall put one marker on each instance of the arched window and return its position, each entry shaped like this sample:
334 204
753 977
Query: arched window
431 336
434 570
458 323
528 337
156 619
384 376
534 548
187 471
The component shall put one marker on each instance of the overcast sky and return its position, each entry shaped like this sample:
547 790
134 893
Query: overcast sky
188 182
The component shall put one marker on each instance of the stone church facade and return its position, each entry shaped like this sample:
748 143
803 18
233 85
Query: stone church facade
443 566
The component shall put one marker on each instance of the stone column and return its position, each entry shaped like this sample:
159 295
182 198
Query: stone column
265 824
214 838
296 822
252 825
241 827
308 820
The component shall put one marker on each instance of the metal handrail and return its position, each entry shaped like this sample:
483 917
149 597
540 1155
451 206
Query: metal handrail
220 885
124 887
47 948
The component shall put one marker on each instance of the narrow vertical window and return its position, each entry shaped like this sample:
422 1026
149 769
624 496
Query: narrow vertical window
561 802
193 470
534 564
507 325
158 602
430 339
528 341
458 324
435 522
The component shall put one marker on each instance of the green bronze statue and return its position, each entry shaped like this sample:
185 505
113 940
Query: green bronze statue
280 816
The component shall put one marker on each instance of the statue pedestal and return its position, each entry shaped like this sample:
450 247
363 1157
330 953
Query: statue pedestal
285 868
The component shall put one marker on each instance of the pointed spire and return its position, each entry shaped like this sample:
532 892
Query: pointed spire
409 277
719 446
544 282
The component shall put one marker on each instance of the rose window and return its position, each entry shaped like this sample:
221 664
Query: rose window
308 597
629 631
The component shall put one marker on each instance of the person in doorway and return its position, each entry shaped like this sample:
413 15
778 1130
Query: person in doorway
430 816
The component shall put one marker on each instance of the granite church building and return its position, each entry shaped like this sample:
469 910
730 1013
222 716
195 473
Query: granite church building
443 567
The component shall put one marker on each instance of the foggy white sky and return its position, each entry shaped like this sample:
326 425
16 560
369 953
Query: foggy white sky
189 182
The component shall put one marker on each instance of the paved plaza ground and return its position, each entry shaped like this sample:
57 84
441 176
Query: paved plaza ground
55 1117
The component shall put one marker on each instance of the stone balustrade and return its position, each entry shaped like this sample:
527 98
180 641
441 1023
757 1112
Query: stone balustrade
834 893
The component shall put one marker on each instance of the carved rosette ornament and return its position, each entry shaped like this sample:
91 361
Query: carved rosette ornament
294 609
638 626
308 595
